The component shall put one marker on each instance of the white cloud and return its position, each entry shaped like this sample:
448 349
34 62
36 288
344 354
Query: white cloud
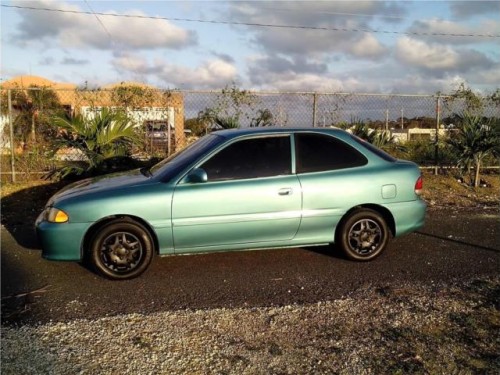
309 82
418 53
418 83
82 30
287 59
368 47
430 30
303 82
486 76
466 9
275 73
336 38
73 61
210 74
132 33
130 63
438 59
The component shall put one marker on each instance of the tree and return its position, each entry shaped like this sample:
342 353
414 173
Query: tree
34 108
211 119
380 139
264 118
229 109
471 101
107 135
130 95
474 140
196 126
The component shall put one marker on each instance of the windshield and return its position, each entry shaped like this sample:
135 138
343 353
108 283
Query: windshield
175 163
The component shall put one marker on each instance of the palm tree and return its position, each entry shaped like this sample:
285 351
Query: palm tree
474 140
108 134
380 139
230 122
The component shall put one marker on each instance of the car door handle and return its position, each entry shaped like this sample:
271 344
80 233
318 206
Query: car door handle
285 191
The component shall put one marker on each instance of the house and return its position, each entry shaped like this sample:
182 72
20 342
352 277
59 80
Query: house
159 112
413 134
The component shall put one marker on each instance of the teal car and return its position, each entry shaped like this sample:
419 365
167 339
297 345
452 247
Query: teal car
256 188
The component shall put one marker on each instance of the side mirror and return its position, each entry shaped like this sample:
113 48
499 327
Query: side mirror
197 175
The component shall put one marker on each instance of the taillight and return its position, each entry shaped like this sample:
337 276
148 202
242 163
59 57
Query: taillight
419 185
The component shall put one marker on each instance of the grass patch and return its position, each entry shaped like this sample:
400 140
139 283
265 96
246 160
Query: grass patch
447 190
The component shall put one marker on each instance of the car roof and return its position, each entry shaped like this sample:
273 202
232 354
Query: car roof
233 133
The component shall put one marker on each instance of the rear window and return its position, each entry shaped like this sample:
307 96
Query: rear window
380 153
319 152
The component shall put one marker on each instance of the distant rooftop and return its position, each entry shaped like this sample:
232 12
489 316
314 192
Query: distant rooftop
28 81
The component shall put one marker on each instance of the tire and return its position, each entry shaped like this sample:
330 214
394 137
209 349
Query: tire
121 250
363 235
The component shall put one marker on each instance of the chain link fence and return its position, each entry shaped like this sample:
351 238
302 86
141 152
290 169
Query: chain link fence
167 120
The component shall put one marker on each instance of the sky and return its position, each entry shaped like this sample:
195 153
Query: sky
400 47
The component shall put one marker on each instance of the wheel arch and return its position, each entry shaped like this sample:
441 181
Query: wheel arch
108 219
384 212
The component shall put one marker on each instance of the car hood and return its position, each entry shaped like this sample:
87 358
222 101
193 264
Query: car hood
101 184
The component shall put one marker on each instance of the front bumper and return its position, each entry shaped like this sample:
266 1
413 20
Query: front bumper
61 241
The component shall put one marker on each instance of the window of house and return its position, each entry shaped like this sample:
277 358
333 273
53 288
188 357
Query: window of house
251 158
319 152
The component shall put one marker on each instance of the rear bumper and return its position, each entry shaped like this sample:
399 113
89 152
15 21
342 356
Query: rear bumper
61 241
408 216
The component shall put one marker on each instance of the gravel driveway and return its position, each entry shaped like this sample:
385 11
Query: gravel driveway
436 329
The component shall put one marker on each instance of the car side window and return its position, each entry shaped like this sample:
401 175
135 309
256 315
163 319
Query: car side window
251 158
320 152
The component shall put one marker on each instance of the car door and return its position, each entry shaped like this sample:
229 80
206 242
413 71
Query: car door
250 196
332 183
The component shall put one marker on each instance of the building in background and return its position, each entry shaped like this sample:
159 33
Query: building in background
159 113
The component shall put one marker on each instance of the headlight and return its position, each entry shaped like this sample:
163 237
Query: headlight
55 215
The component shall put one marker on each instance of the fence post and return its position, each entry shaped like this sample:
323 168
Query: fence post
11 131
169 138
315 108
436 147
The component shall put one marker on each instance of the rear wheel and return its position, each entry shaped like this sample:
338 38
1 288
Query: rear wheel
363 235
121 250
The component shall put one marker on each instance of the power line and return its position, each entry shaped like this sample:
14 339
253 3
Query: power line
100 22
336 13
108 33
249 23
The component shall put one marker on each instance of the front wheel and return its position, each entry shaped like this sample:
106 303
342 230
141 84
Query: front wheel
363 235
121 250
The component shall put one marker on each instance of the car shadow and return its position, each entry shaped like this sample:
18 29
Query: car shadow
331 251
21 208
450 239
